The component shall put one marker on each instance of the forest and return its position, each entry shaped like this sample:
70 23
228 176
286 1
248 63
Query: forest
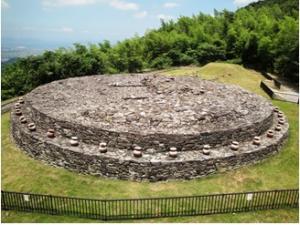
262 35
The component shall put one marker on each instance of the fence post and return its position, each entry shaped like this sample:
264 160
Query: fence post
3 205
51 205
274 199
105 211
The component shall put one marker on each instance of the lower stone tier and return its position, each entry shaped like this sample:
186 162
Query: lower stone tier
152 166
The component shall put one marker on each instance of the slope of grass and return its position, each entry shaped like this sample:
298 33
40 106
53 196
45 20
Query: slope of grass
225 73
5 102
21 173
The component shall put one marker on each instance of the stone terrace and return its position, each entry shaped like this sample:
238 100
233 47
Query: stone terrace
151 127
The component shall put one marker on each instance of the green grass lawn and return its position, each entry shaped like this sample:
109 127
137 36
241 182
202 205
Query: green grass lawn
5 102
21 173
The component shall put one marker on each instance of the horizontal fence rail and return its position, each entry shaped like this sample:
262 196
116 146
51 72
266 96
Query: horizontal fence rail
150 207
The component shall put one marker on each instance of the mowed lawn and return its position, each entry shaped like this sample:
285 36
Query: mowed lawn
22 173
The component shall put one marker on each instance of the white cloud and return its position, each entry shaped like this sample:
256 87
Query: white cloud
243 2
171 5
117 4
61 3
123 5
142 14
4 4
61 29
29 28
66 29
21 47
164 17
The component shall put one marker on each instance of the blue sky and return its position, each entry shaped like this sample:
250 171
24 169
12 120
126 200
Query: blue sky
62 22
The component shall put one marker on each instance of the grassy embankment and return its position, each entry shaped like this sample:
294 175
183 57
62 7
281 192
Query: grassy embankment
21 173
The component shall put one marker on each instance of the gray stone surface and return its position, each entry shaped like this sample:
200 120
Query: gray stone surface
123 110
118 110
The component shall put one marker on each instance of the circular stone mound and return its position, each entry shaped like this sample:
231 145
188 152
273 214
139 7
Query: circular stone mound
147 126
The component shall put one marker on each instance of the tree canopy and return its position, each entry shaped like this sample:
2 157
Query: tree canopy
263 35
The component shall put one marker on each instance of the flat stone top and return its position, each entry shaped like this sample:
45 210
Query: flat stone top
149 104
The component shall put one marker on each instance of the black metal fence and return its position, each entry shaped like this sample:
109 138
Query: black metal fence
150 207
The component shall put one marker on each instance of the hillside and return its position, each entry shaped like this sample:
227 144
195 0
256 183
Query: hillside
287 6
224 73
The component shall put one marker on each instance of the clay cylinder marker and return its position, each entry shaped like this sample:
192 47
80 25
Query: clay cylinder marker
17 105
156 142
270 134
137 153
21 100
280 114
18 112
50 133
173 154
281 121
161 146
31 127
276 109
102 147
256 140
137 148
206 149
278 128
74 141
22 119
234 146
103 144
173 149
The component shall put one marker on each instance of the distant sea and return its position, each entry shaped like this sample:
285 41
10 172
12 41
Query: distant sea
12 48
19 52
